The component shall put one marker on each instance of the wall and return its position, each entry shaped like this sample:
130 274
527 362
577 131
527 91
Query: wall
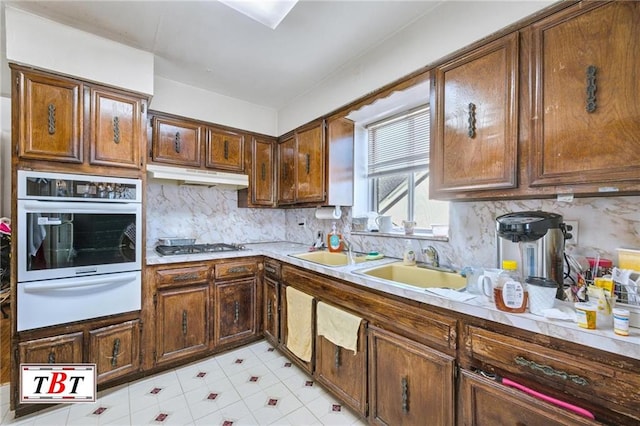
210 215
188 101
605 223
423 42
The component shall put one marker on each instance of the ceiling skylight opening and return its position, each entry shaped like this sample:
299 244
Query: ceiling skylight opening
267 12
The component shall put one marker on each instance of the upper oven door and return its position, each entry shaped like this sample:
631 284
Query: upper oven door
71 239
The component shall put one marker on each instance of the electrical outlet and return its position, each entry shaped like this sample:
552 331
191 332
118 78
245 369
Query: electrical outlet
574 231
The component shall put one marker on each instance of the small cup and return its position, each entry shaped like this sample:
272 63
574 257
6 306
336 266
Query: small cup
488 281
409 226
473 275
586 315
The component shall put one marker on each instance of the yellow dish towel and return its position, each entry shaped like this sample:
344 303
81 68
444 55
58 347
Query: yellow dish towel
338 326
299 332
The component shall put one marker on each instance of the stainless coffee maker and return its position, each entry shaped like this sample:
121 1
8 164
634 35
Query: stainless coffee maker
539 237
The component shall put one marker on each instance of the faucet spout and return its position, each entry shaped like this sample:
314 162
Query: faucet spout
432 255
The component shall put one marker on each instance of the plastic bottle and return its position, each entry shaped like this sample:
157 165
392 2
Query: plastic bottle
510 295
409 256
334 240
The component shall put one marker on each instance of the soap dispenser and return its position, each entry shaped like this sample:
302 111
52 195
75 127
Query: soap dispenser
334 240
409 257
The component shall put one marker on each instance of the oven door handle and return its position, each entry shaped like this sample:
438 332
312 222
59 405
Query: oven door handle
36 206
76 284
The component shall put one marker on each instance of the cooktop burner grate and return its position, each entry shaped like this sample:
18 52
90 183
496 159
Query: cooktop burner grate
198 248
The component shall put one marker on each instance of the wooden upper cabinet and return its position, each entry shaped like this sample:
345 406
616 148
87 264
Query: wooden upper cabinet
287 171
474 114
310 186
117 121
225 150
176 142
585 95
50 112
262 172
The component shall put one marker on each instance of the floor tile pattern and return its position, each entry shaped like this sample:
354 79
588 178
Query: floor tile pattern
252 385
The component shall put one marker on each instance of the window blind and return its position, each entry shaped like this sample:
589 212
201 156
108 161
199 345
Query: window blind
399 144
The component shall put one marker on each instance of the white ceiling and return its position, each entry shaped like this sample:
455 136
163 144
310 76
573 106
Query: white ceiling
209 45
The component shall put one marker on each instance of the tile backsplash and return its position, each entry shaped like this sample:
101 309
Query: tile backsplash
212 215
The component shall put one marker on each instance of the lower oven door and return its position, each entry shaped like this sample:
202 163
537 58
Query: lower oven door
54 302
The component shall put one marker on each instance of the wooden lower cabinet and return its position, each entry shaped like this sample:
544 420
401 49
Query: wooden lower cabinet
271 310
409 383
235 311
182 322
61 349
343 372
484 402
115 350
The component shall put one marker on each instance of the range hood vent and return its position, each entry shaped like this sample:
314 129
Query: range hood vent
186 176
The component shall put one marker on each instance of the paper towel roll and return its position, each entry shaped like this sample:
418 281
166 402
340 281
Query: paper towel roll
332 213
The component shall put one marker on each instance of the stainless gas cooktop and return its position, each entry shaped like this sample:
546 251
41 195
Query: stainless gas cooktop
198 248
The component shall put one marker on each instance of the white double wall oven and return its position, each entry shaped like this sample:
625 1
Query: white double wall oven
79 247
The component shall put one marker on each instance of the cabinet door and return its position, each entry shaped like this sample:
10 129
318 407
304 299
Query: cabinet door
50 118
176 142
270 314
287 171
310 157
262 166
475 119
408 382
116 129
585 95
485 402
62 349
115 350
235 313
307 366
344 372
225 150
182 322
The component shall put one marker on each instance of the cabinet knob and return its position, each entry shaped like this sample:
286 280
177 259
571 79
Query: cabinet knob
236 312
115 352
336 356
308 165
51 359
264 171
269 310
177 143
184 322
226 150
405 395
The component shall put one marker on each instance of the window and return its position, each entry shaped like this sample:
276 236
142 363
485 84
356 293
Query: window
398 170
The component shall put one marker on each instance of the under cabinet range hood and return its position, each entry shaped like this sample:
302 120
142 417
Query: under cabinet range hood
185 176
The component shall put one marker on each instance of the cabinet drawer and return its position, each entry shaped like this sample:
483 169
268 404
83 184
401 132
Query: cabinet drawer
236 270
584 377
179 276
272 269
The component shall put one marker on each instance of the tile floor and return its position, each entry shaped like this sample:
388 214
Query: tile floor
252 385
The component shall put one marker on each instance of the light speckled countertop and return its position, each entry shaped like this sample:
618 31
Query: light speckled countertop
603 339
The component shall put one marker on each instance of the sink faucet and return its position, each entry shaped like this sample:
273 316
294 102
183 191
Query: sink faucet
432 256
349 246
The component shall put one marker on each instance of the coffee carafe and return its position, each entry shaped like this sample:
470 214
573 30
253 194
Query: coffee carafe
540 236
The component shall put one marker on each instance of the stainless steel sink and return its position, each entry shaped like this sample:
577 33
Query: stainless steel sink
416 276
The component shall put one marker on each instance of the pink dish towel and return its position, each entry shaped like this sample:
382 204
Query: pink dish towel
566 405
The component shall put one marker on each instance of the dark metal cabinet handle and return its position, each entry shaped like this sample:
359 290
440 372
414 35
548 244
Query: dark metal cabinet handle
184 322
264 171
269 310
51 359
405 395
308 166
185 277
336 355
226 150
270 270
116 129
236 312
550 371
472 120
238 269
177 143
115 352
591 88
51 118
